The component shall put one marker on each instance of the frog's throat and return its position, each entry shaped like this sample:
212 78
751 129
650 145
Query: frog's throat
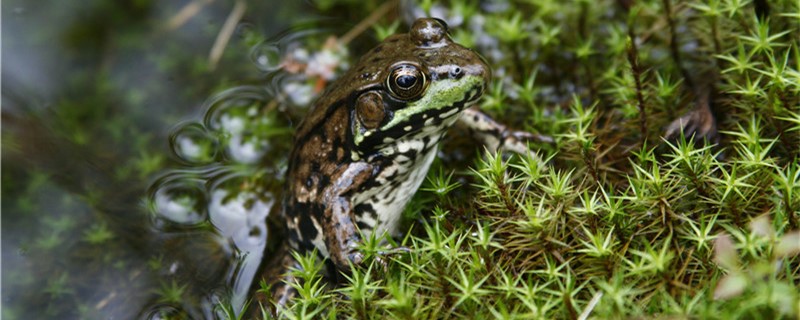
439 101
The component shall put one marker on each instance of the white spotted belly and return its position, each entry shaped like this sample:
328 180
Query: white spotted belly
397 184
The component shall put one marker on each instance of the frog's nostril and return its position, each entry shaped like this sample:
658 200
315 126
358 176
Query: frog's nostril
456 73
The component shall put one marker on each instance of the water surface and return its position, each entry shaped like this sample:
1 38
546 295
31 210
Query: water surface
137 173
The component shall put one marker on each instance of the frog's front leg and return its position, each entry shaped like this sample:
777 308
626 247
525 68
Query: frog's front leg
339 227
496 136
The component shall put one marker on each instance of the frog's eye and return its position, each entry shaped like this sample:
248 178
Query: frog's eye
406 82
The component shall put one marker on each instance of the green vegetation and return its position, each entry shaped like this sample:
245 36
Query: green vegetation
617 222
610 220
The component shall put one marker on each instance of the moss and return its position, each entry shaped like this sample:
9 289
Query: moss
609 220
617 222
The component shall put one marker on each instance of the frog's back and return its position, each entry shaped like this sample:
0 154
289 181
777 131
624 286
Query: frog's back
387 114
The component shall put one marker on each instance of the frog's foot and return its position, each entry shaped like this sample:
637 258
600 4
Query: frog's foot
345 254
395 250
355 257
496 136
381 256
517 141
698 122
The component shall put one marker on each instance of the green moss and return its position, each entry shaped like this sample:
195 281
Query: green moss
617 222
608 221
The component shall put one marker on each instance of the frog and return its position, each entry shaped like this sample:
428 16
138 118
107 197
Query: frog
367 142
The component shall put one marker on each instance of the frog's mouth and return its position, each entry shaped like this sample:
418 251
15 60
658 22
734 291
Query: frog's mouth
431 118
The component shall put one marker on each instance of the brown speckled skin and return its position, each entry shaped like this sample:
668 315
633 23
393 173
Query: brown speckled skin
322 174
328 169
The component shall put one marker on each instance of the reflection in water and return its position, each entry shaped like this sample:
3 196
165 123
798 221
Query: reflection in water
180 199
231 165
90 89
192 144
231 159
162 311
247 227
223 185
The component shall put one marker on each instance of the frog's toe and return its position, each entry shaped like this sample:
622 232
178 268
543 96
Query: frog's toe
496 136
380 258
697 123
518 141
356 258
395 250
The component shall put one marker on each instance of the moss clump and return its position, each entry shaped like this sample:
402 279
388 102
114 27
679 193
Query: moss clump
617 222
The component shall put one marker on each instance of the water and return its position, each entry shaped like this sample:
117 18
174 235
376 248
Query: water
224 188
136 178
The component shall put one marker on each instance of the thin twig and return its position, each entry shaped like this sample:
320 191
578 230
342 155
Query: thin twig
225 33
367 22
187 12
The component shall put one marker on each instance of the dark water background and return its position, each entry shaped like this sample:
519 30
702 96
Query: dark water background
137 174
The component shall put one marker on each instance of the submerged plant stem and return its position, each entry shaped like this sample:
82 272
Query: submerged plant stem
367 22
225 33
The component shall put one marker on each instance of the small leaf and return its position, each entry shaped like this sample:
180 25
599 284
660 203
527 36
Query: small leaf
789 245
730 286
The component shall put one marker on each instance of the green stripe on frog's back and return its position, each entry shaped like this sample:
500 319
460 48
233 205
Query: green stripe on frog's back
444 99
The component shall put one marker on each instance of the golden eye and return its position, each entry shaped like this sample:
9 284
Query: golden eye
406 82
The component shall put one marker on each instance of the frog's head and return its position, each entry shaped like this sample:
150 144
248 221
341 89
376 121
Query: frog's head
413 83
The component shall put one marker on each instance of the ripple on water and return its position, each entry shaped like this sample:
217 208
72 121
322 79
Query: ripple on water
179 198
270 54
192 144
230 166
163 312
222 190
